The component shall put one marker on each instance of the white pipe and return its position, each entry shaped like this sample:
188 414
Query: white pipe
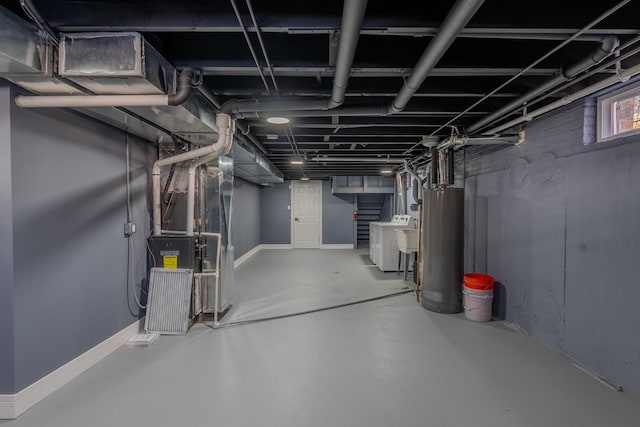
221 147
191 188
589 90
191 192
77 101
217 285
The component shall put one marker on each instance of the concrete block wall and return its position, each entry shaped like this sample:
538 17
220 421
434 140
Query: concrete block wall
555 222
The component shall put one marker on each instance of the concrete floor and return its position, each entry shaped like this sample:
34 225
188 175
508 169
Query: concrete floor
382 363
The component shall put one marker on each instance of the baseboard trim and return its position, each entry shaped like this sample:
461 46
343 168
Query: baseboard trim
337 246
13 405
246 256
277 246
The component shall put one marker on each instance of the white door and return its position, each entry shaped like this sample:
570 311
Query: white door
306 213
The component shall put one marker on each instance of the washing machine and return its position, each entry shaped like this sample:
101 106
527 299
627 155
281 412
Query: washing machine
383 247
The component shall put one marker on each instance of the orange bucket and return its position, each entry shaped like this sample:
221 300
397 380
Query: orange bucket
481 282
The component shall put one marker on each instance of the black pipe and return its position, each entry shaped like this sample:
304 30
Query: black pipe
434 166
450 163
458 17
352 17
250 46
184 87
607 47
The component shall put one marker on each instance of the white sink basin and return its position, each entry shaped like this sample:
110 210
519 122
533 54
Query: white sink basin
407 239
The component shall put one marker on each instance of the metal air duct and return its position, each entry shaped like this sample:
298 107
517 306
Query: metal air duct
127 71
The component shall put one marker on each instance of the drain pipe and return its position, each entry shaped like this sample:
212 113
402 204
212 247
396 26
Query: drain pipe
456 20
607 47
589 90
225 137
191 182
417 189
244 130
352 17
79 101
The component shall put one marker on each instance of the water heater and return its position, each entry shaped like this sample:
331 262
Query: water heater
443 253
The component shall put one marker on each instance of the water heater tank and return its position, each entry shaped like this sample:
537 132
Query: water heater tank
443 254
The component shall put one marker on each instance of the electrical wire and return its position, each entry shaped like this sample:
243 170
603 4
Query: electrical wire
128 184
315 310
33 14
155 262
130 248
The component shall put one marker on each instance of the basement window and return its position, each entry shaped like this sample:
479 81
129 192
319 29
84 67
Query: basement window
619 113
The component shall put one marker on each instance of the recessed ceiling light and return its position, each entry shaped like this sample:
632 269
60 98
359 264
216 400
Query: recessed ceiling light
297 162
304 178
386 171
278 120
272 136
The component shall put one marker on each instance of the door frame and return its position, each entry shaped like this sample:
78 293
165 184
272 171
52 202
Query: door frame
318 184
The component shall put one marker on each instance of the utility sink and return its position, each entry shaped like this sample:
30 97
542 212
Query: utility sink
407 239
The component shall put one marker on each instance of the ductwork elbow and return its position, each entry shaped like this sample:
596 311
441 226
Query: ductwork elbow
184 87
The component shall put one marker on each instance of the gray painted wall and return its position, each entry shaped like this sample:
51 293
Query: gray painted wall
246 216
7 341
337 217
275 216
69 207
556 223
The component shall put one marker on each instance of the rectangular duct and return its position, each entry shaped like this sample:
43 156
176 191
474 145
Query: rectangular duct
169 301
24 48
125 64
252 166
120 63
26 57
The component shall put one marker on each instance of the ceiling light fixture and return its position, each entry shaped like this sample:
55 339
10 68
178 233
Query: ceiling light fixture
297 162
304 178
278 120
272 136
386 171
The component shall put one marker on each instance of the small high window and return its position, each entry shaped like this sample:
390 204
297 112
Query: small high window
619 113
